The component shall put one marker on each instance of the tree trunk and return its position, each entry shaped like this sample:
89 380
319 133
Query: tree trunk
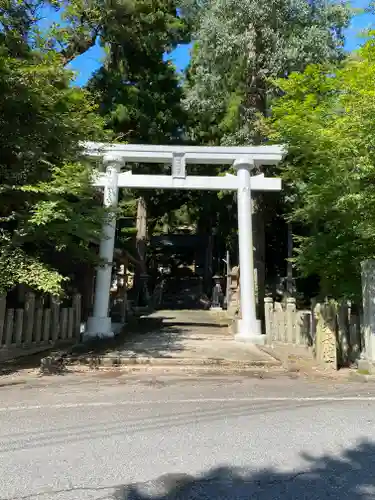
141 243
256 102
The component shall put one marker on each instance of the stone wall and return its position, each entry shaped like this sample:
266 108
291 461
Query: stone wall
330 330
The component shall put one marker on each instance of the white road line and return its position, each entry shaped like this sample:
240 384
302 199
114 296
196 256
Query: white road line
97 404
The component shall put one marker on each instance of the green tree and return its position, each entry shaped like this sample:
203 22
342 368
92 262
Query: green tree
140 95
241 44
138 91
326 120
137 23
48 208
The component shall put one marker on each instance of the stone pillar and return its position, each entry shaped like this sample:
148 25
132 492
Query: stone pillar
368 298
249 329
99 324
326 338
217 294
234 300
291 320
268 318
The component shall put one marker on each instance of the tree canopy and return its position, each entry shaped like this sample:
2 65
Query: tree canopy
325 117
241 44
47 203
139 92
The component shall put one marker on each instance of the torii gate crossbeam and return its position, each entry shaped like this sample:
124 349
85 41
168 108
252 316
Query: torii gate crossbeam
244 159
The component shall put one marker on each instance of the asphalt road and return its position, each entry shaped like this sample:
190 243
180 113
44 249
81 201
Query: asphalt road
199 439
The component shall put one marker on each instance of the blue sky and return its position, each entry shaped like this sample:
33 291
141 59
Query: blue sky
86 64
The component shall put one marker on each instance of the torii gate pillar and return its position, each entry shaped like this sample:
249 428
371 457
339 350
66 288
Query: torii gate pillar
249 328
99 324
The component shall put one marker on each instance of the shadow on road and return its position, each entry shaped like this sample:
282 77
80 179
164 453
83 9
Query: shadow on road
350 475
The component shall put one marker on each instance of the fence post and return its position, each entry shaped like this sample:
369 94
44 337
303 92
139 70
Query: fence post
268 312
9 322
355 340
46 326
314 322
3 303
300 325
77 315
70 323
28 318
343 333
313 318
290 319
279 315
63 323
38 321
55 319
18 327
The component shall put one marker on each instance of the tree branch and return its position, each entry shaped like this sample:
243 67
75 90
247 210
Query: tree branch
78 46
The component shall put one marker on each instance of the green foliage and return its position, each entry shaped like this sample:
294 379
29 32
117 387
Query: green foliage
326 120
126 215
142 102
80 24
138 92
18 25
47 204
48 208
240 44
84 22
17 266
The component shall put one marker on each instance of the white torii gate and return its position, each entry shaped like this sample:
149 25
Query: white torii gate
244 159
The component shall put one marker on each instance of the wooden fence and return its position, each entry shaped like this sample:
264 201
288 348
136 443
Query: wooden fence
331 330
35 326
